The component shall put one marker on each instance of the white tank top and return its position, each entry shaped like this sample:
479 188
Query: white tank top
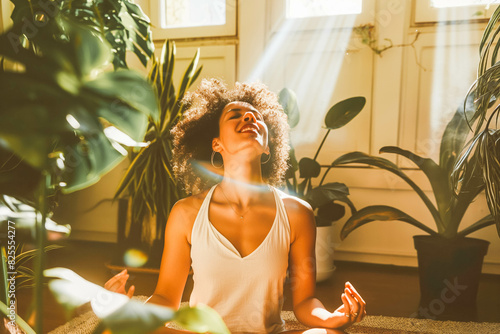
247 292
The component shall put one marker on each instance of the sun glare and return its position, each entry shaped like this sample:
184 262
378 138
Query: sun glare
307 62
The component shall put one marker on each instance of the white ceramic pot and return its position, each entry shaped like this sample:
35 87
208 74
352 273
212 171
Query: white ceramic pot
324 253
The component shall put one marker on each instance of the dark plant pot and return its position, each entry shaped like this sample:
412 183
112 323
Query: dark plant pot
133 241
449 271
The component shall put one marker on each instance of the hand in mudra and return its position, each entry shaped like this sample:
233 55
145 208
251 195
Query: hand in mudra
118 282
353 308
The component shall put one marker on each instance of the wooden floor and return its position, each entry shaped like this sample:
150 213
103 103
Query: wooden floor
388 290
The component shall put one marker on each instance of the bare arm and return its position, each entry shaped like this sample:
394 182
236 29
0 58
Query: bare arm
308 309
176 261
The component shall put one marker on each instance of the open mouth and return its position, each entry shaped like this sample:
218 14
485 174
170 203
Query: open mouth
250 128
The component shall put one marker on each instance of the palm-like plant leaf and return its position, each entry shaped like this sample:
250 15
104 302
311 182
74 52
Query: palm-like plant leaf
19 321
455 136
483 151
437 177
489 157
378 213
150 180
482 223
359 157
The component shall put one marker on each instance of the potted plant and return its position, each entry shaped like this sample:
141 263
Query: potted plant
149 181
57 103
321 197
446 257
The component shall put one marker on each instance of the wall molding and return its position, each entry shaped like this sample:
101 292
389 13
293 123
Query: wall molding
399 259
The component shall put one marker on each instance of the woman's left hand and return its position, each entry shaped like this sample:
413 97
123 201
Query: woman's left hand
117 284
353 308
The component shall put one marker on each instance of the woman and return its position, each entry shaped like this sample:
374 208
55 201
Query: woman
238 232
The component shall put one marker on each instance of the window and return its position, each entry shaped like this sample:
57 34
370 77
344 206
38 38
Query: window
309 8
458 3
193 18
301 15
193 13
433 11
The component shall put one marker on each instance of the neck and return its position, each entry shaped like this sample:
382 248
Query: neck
242 182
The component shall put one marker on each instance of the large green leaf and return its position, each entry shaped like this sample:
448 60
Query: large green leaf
329 213
121 22
288 101
55 121
489 35
454 136
489 158
437 177
471 185
360 157
379 213
126 101
201 319
326 193
482 223
309 168
343 112
23 218
125 316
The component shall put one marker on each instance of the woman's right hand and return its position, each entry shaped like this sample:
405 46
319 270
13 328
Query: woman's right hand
118 282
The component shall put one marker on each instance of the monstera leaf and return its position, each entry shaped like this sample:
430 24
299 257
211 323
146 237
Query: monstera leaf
120 22
55 112
122 315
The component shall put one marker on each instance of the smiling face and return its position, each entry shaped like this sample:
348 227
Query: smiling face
241 127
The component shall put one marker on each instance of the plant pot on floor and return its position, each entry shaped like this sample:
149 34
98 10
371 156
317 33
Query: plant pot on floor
449 271
131 252
324 253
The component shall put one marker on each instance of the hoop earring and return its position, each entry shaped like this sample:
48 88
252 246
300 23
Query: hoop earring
268 158
212 160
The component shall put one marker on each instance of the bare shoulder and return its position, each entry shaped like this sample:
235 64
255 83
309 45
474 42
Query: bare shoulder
184 213
300 215
294 205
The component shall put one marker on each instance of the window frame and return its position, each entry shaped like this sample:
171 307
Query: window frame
225 30
278 10
424 14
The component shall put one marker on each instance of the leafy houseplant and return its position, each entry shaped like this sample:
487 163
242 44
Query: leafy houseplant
56 105
149 181
482 152
450 254
323 196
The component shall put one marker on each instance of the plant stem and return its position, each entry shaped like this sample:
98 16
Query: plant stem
5 288
324 175
321 145
40 244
